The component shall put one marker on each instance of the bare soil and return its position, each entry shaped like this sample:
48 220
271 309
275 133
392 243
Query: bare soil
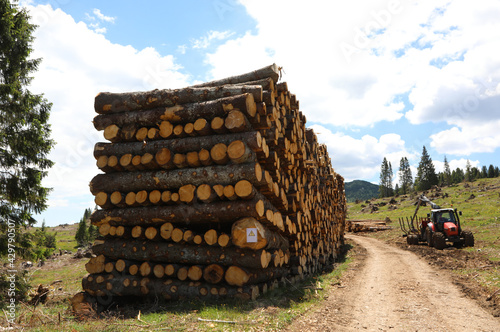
391 289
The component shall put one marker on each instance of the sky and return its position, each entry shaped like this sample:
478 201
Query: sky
374 78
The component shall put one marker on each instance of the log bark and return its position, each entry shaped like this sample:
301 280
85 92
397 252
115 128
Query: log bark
171 179
107 102
181 214
271 71
181 253
253 140
266 239
111 123
169 289
266 83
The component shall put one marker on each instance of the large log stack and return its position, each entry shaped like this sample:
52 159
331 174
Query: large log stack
209 191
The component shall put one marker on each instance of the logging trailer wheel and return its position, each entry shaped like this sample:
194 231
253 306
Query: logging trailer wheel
468 238
413 239
428 237
439 240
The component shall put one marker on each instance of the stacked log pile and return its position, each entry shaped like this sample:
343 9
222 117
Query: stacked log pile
214 190
356 226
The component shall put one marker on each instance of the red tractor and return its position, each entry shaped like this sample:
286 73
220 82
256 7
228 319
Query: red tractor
440 226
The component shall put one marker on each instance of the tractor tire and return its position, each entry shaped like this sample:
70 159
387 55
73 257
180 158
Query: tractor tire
428 237
468 238
439 240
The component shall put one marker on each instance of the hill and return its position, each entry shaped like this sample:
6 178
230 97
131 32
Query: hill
360 190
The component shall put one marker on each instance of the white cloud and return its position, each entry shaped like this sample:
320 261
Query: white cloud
468 139
443 54
77 64
205 41
361 158
102 17
182 49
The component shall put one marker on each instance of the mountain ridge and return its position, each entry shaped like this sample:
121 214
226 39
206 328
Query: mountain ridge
360 190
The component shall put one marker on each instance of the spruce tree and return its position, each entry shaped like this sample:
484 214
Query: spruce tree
405 176
82 235
468 172
491 171
385 187
24 130
426 173
446 173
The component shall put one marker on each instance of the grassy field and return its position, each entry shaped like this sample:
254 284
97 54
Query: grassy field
65 236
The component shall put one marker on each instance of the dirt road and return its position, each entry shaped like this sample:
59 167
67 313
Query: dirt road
389 289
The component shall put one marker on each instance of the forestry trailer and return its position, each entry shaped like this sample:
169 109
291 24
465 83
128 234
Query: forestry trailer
439 227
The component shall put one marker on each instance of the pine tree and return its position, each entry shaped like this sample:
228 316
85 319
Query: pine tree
93 232
457 175
385 187
82 235
491 171
24 131
446 173
405 176
468 171
484 172
426 173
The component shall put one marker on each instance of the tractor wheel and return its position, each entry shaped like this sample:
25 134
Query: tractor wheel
468 238
428 237
439 240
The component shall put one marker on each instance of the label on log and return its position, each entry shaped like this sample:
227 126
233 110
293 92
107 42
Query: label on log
251 235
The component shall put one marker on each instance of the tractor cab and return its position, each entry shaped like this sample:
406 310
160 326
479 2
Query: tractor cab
446 221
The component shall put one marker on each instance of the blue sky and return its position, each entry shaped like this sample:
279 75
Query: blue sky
375 79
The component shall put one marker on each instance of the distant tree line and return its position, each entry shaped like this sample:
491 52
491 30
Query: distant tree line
427 177
86 232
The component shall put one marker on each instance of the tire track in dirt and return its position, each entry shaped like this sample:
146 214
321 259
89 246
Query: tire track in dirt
389 289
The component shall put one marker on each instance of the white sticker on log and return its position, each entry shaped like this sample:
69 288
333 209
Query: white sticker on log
251 235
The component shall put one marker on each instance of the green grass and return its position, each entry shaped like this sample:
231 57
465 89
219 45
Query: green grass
65 236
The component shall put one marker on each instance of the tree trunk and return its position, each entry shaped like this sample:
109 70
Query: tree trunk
96 264
170 289
253 139
182 214
271 71
172 179
107 102
181 253
188 113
